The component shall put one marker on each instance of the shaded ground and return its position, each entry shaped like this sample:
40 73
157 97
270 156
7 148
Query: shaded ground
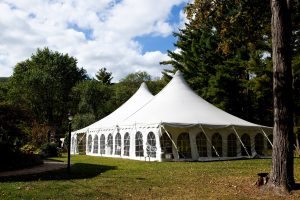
55 171
47 166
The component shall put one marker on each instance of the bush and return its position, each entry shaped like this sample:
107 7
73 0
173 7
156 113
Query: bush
50 150
28 149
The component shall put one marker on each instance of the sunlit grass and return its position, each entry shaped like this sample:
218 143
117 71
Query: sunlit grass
112 178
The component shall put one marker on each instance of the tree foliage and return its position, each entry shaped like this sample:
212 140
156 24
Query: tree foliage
15 125
223 54
43 84
93 101
4 88
104 76
128 86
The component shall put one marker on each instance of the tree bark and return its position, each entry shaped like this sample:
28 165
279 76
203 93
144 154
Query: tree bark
282 173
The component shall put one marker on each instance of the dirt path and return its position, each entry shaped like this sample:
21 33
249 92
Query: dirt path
47 166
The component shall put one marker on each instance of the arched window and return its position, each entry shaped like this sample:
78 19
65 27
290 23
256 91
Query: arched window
126 144
102 144
95 144
139 151
166 144
110 144
259 143
216 141
184 146
118 144
151 145
90 144
271 140
231 145
201 144
247 143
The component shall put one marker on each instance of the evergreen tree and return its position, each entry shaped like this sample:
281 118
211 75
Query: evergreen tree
222 51
104 76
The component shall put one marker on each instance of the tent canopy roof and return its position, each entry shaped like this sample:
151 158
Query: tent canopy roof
177 104
141 97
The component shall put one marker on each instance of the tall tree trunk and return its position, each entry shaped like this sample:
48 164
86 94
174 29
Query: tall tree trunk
282 173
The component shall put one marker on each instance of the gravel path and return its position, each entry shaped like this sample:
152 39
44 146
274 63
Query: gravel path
47 166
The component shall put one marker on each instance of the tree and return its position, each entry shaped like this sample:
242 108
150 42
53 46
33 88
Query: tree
296 78
222 55
43 84
282 173
296 67
93 102
128 86
157 84
15 123
4 88
104 76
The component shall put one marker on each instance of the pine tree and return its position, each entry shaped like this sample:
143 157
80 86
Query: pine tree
220 52
104 76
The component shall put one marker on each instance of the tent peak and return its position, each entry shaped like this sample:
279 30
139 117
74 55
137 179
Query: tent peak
143 88
143 85
178 73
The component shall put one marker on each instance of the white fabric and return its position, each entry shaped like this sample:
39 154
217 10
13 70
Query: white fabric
175 110
177 104
140 98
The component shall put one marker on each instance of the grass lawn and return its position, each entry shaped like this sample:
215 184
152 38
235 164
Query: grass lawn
111 178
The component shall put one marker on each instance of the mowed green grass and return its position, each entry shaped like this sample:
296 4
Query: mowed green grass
113 178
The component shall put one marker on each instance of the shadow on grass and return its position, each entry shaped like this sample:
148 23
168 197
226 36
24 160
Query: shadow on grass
53 159
78 171
296 186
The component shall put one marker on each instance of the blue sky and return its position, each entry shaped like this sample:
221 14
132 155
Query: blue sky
124 36
161 43
156 43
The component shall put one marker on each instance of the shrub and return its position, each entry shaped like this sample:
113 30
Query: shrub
50 150
28 149
40 134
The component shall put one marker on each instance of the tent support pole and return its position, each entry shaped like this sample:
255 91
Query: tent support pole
87 141
78 142
131 147
73 147
170 139
241 141
262 130
209 141
136 145
98 150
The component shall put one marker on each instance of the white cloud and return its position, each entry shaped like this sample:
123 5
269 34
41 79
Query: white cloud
67 26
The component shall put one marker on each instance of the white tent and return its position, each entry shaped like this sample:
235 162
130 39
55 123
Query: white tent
178 124
179 105
141 97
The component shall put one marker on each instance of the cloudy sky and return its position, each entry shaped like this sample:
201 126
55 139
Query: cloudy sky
124 36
